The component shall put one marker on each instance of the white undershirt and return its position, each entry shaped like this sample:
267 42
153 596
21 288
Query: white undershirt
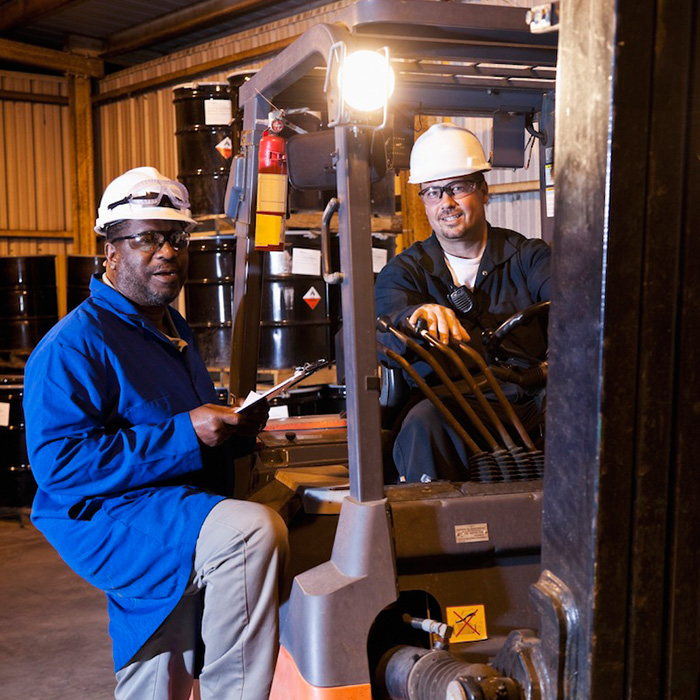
463 270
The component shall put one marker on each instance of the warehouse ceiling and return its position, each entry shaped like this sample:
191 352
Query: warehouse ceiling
129 32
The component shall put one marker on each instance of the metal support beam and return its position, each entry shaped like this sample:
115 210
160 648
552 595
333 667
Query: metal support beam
191 72
62 61
82 164
21 12
179 23
16 233
17 96
247 281
361 378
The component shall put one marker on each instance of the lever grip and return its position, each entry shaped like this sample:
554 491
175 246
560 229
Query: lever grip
384 324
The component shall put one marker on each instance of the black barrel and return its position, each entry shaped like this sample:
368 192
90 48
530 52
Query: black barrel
28 300
204 147
209 297
296 313
79 271
17 486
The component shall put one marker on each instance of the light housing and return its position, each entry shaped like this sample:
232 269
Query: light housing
366 80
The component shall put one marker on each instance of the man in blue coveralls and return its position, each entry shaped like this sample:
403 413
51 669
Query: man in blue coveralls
127 444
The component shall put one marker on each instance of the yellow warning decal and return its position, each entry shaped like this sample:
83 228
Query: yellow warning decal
468 623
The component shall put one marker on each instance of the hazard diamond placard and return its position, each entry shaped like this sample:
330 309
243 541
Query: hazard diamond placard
225 147
312 297
468 623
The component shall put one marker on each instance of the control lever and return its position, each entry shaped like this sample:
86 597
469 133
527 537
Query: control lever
497 390
421 329
384 324
433 398
531 462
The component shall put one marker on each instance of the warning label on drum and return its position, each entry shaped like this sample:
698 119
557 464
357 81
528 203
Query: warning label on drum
312 297
4 415
306 261
225 147
217 112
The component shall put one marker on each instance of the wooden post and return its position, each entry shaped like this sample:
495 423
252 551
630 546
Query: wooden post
415 222
82 164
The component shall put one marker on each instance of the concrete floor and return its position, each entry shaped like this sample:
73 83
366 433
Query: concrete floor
54 643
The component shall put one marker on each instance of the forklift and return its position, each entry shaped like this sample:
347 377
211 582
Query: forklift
503 588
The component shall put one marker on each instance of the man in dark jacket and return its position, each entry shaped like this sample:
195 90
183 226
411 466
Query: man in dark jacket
500 271
127 444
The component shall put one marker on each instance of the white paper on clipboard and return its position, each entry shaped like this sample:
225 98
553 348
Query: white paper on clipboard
306 371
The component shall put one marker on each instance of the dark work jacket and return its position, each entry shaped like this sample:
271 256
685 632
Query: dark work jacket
120 471
514 274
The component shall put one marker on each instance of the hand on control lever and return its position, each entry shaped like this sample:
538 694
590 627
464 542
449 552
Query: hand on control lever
442 322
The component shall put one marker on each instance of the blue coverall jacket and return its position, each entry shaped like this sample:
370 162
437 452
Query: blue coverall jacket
514 273
117 462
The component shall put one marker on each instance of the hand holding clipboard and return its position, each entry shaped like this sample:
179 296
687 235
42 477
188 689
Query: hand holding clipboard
300 373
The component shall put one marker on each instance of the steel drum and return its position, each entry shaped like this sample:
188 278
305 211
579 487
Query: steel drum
80 269
28 300
17 486
203 113
209 297
295 325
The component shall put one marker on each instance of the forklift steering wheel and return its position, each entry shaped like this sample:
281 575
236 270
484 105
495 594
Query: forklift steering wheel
493 339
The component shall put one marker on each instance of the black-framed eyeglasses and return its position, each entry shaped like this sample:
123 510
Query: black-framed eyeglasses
150 241
457 190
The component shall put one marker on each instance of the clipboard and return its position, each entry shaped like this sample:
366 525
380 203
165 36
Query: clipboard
300 373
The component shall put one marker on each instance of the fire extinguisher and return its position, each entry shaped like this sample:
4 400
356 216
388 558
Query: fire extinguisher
271 208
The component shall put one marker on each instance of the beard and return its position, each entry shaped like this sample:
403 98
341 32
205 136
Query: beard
147 289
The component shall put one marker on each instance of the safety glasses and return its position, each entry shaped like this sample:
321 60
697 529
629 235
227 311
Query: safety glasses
150 241
457 190
150 193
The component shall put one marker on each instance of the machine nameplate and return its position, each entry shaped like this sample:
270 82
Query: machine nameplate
474 532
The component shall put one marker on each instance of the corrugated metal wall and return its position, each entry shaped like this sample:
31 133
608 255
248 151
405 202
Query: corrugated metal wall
35 193
518 211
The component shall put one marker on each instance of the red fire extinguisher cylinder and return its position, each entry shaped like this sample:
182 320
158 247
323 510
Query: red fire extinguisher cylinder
272 192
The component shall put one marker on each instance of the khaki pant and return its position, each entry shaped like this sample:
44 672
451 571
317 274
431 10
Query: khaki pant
230 609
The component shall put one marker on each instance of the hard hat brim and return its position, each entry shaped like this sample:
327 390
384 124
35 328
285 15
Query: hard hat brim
146 213
457 172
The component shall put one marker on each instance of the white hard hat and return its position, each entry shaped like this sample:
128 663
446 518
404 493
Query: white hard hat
446 150
138 194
